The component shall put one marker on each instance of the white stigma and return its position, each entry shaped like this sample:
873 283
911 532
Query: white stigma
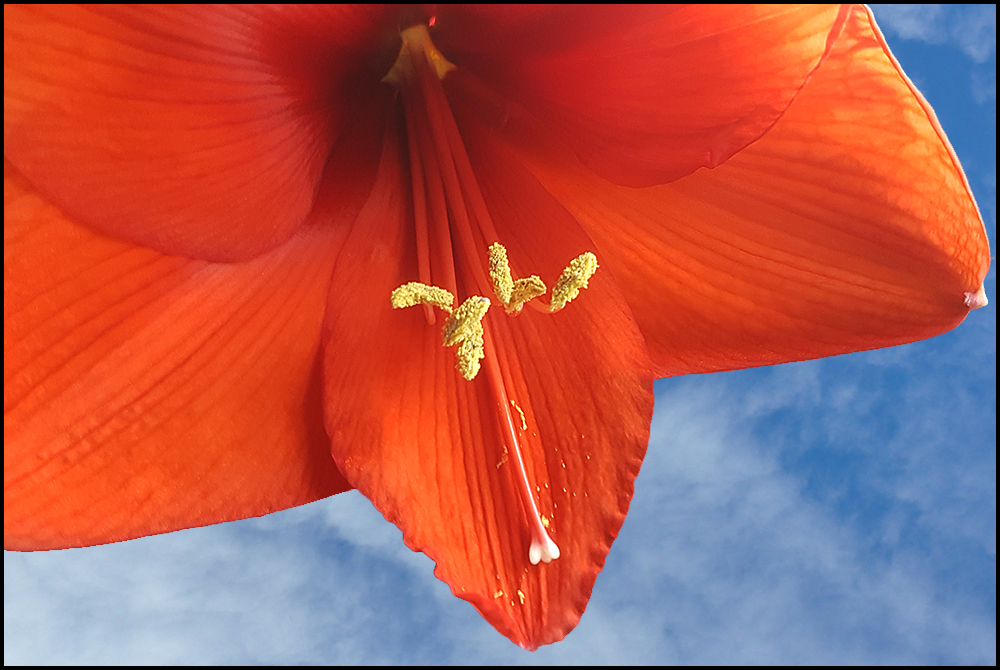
544 551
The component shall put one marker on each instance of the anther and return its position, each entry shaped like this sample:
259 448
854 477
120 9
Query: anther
415 293
465 320
573 278
500 273
524 290
464 327
511 294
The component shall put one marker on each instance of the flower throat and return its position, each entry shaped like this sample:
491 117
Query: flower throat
448 209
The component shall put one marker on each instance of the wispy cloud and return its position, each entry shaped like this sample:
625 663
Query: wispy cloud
971 28
756 565
984 85
285 590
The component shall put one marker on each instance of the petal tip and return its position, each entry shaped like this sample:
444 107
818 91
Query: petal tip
977 299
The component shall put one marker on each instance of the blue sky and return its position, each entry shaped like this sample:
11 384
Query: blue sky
834 511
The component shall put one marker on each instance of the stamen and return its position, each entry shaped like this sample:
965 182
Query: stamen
419 211
451 216
465 328
444 270
466 176
438 111
418 49
512 294
573 278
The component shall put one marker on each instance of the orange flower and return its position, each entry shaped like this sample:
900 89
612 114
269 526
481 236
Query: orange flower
209 216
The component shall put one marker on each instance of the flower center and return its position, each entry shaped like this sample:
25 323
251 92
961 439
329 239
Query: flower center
447 200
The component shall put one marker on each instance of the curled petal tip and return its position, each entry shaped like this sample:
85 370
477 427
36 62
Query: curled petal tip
977 299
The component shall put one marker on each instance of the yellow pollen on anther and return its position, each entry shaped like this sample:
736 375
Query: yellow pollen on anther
464 325
465 328
573 278
466 320
415 293
524 290
511 294
500 273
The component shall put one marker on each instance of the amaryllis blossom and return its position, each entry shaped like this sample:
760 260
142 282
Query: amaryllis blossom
254 257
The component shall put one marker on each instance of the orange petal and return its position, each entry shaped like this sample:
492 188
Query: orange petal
145 393
423 444
193 131
645 94
849 226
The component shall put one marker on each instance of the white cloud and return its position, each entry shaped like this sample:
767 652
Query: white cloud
750 569
913 22
984 85
975 31
988 203
971 28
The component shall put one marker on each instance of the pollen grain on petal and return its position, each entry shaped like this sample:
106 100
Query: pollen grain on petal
524 424
573 278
